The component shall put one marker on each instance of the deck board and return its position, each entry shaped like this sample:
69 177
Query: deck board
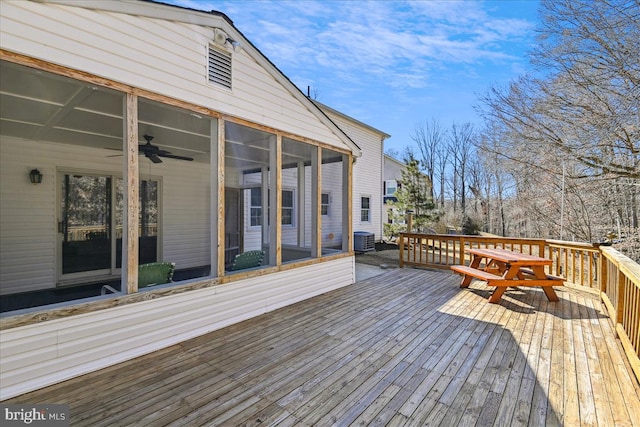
405 348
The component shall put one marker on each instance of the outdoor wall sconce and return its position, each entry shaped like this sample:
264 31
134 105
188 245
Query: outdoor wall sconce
222 38
35 176
234 44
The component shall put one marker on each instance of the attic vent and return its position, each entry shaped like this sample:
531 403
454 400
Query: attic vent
219 67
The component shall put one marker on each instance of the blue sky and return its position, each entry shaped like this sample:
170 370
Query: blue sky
390 64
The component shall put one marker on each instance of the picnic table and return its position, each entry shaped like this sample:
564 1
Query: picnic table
503 269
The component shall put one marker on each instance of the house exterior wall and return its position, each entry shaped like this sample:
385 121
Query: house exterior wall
168 58
367 172
38 355
392 170
161 56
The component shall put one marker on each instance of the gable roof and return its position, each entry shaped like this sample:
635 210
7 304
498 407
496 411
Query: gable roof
325 108
214 19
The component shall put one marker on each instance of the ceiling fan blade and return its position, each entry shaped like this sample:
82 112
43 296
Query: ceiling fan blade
153 158
173 156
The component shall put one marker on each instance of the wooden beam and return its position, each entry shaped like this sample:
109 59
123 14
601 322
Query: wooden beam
301 203
265 211
101 81
217 199
278 219
347 185
131 191
316 195
39 64
284 134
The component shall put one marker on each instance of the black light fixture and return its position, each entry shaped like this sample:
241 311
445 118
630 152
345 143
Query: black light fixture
35 176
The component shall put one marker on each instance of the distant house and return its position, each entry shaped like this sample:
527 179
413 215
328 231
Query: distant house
133 133
393 169
367 203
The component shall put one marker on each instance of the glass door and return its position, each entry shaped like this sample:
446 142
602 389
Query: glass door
148 218
84 225
90 224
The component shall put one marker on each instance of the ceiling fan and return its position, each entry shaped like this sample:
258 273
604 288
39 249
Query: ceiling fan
153 152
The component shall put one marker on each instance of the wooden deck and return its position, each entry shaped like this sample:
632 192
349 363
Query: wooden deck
408 347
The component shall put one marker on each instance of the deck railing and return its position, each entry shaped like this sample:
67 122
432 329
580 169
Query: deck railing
597 268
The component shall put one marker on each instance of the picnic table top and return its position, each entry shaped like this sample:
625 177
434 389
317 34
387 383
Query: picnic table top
509 256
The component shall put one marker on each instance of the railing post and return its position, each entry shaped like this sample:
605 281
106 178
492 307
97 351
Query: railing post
401 262
461 253
620 302
603 272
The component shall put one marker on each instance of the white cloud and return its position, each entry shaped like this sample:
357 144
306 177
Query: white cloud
406 58
373 37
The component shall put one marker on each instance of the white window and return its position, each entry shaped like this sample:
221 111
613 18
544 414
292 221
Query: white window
324 204
365 209
256 207
287 207
390 187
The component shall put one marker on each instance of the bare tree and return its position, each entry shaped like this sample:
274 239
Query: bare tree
587 104
461 146
429 137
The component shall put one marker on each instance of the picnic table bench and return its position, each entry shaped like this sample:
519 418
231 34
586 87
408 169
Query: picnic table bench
504 269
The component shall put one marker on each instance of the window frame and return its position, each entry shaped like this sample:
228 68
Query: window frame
394 187
367 209
257 208
325 205
292 207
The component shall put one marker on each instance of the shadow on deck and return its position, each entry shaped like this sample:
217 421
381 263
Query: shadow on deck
407 347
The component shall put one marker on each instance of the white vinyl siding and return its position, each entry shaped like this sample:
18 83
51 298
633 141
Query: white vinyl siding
331 226
367 173
27 217
45 353
158 55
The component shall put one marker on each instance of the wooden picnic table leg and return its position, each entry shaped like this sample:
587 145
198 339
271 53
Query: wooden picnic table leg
539 273
466 281
475 263
497 294
550 293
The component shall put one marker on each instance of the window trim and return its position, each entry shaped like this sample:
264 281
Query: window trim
386 187
327 205
367 209
253 207
293 207
259 207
